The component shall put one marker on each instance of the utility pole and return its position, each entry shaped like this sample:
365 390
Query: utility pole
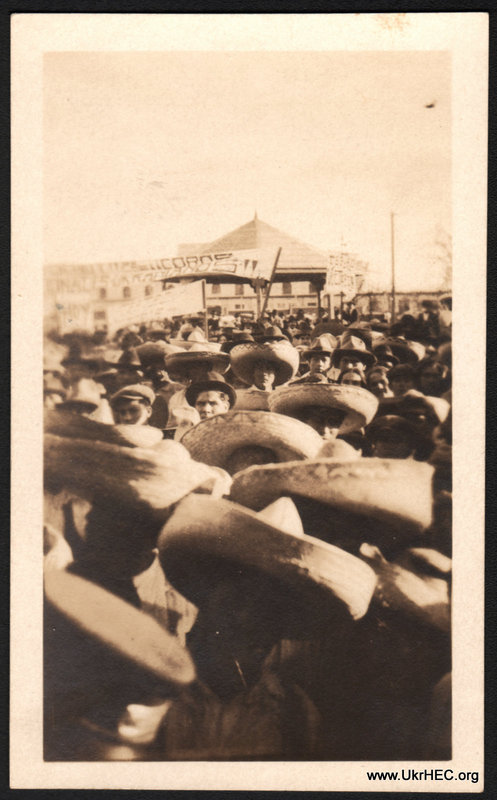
392 238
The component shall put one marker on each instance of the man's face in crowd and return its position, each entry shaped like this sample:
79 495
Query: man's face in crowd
319 364
400 384
430 381
351 378
379 386
351 362
128 411
264 375
326 421
211 403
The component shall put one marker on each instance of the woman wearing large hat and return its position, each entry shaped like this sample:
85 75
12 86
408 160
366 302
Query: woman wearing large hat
238 439
330 409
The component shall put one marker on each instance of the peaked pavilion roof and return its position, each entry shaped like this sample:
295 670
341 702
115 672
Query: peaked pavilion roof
296 256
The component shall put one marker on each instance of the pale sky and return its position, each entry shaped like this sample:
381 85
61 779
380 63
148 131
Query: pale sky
147 150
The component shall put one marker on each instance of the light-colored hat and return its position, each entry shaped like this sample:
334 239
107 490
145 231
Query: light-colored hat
206 540
146 480
214 441
339 450
283 356
437 407
179 363
134 637
394 491
352 345
137 391
85 393
359 405
196 339
323 345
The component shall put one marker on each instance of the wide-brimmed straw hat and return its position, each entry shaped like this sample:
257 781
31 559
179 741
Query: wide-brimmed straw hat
323 345
153 354
213 382
75 426
203 543
102 619
359 404
239 337
180 363
214 441
281 354
352 345
395 492
146 480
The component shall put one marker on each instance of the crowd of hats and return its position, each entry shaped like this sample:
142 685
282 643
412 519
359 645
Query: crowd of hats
271 581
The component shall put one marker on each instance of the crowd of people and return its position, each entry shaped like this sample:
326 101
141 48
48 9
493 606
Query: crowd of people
247 539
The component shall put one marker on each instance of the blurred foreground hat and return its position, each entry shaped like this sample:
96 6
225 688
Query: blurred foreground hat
358 404
115 627
144 480
224 440
281 354
394 492
74 426
206 541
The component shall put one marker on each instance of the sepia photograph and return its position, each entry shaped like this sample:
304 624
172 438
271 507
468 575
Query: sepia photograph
245 257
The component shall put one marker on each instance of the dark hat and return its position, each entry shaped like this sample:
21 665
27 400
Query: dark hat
407 351
215 383
137 391
389 425
75 356
179 363
129 359
84 394
239 337
363 331
333 326
384 351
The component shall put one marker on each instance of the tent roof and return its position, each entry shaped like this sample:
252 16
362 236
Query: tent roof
296 256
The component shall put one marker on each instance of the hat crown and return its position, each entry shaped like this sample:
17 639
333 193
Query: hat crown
283 514
351 342
84 391
325 342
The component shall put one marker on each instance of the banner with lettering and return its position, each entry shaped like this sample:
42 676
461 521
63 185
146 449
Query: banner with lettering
249 264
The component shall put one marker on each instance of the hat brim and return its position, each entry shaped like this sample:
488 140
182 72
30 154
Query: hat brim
133 636
206 540
195 389
314 352
214 440
396 492
363 355
359 404
180 363
78 427
147 481
282 355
